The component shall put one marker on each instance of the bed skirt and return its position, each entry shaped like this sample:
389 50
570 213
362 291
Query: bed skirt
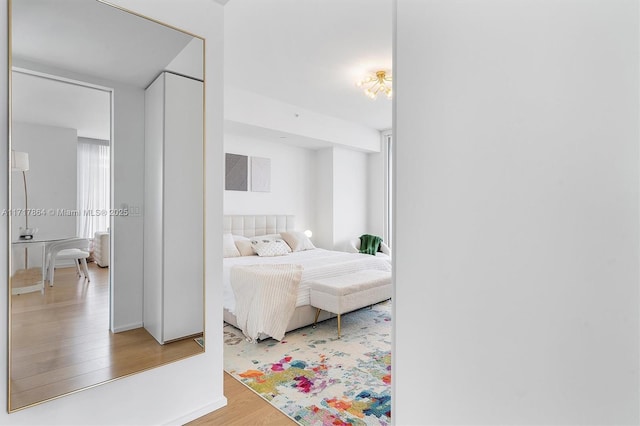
302 316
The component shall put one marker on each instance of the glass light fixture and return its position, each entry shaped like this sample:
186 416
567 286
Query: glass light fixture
375 84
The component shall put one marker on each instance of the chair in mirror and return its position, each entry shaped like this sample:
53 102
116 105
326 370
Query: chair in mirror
106 205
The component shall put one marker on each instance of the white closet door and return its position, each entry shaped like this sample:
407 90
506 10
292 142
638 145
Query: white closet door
183 208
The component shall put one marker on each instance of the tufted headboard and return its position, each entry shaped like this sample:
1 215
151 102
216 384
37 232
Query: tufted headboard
252 225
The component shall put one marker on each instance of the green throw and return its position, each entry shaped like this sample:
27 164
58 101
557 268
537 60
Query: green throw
369 244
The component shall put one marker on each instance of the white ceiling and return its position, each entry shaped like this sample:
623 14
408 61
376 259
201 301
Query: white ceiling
307 53
310 53
91 39
60 104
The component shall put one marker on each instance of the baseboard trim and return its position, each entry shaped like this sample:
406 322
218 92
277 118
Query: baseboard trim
127 327
216 405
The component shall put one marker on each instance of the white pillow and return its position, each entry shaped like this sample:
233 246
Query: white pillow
229 248
297 241
270 247
271 237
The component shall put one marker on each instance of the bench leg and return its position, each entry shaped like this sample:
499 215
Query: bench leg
315 322
338 326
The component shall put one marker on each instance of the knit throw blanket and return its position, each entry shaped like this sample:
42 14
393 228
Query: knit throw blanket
369 244
265 298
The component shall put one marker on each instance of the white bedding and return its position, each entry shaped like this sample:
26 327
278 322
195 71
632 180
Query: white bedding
316 263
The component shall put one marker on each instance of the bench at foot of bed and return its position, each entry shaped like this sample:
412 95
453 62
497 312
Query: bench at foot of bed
346 293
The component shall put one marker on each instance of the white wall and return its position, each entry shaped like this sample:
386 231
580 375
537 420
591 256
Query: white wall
376 169
181 391
323 235
50 184
127 152
341 198
189 61
293 181
516 212
350 201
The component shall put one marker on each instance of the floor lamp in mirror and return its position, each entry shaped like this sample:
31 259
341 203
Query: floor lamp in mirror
20 163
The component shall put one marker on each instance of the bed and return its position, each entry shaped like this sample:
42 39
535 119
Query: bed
316 264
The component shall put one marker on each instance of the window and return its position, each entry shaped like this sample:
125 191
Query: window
387 146
93 186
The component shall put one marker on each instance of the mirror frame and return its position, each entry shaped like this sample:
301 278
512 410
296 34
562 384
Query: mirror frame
111 196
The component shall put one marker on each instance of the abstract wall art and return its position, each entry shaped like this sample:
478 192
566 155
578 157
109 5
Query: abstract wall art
260 174
236 172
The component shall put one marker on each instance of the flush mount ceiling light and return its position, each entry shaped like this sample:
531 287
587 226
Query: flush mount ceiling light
375 84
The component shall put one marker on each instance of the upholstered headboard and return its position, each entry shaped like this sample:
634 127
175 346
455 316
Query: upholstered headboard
252 225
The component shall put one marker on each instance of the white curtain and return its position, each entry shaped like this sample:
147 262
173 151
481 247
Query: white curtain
93 186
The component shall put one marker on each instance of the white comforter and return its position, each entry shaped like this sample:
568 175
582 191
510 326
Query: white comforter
317 263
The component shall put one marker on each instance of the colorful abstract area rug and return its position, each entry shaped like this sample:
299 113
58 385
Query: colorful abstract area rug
316 378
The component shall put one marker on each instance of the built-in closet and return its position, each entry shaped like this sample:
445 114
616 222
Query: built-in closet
173 208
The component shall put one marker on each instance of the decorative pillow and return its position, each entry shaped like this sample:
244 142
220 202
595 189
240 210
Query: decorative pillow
271 237
243 245
229 248
245 249
297 241
269 247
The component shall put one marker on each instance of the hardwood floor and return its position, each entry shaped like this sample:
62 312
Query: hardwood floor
60 341
244 407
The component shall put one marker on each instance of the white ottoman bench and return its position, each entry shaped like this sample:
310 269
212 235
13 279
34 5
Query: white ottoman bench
346 293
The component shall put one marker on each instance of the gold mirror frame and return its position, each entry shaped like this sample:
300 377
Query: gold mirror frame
143 367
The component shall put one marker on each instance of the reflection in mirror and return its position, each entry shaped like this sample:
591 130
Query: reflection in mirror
103 123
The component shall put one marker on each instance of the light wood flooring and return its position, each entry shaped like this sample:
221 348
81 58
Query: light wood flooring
60 341
244 407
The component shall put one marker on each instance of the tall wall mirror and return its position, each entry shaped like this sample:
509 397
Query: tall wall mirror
106 196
